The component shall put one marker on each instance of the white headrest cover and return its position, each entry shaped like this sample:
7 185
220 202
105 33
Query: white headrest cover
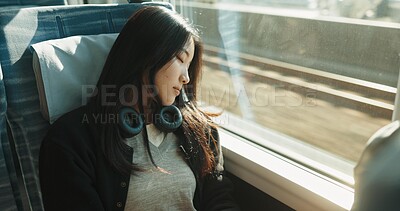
66 69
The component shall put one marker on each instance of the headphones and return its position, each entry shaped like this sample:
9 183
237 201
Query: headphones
167 119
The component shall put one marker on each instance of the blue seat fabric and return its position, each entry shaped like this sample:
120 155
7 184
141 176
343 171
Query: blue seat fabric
7 177
32 2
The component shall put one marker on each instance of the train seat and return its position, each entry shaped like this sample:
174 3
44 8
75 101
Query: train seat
7 200
377 173
11 197
22 126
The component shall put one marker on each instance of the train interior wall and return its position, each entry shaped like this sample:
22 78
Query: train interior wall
250 198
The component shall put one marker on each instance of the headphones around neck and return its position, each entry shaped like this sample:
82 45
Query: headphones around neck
131 123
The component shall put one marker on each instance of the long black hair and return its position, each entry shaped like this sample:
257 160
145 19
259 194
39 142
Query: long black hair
149 40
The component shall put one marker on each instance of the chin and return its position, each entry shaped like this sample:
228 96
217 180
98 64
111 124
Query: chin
168 103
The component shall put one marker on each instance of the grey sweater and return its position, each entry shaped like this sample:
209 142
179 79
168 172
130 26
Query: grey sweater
171 186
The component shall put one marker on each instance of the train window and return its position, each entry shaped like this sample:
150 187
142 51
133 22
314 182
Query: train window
311 80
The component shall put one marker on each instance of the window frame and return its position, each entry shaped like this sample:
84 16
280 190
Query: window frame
292 184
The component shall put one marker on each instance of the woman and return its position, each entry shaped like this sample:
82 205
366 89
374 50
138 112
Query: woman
118 151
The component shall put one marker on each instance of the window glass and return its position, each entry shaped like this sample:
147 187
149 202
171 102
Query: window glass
322 73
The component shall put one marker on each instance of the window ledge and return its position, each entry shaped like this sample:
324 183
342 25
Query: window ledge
281 178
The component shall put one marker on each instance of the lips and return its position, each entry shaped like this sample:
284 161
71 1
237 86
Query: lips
177 91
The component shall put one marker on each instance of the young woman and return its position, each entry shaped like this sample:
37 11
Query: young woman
141 143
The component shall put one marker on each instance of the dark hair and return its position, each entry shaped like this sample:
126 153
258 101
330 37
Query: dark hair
149 40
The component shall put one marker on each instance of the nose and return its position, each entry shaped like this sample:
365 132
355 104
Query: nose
184 78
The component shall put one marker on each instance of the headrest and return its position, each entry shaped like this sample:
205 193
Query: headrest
32 2
67 71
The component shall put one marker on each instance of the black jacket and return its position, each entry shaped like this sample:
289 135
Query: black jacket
74 174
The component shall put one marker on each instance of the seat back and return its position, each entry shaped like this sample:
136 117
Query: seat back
7 171
376 175
19 101
12 4
31 2
11 191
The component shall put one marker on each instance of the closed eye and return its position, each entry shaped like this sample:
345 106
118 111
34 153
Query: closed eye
180 59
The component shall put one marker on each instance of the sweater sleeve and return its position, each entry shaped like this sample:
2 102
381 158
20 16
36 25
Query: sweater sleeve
217 188
66 181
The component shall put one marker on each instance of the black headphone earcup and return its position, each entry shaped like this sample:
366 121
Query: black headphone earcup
130 122
168 119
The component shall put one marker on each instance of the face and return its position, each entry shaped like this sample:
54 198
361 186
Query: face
173 75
